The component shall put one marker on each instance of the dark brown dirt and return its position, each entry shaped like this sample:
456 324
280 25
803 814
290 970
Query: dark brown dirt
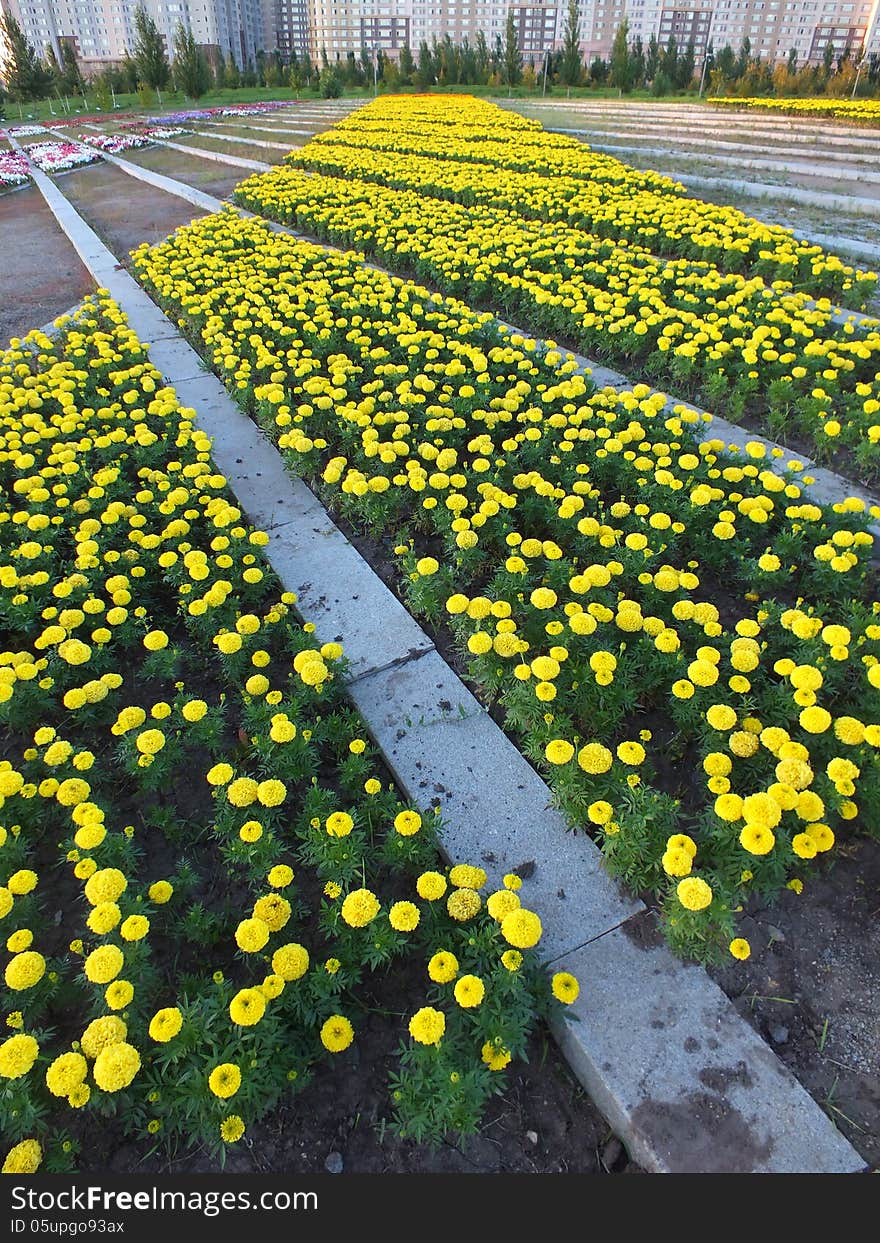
812 987
123 211
40 273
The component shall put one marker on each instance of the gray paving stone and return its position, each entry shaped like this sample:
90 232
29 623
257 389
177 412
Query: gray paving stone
496 809
685 1081
222 157
341 595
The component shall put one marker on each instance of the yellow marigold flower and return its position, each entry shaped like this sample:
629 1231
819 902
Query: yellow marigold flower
815 720
404 916
17 1056
232 1129
521 928
740 948
407 823
251 935
360 907
339 824
160 892
427 1025
135 928
272 793
594 758
119 994
24 1158
220 774
693 893
280 876
466 876
463 904
116 1066
337 1033
431 886
469 991
443 967
66 1072
247 1007
496 1057
558 751
165 1024
225 1080
291 961
757 839
105 885
501 903
511 960
101 1033
24 970
565 987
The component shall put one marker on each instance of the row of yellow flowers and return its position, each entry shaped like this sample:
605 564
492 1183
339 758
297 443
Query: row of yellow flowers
865 111
464 149
723 339
201 863
686 643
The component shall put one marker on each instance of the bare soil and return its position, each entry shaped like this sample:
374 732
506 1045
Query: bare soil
40 273
123 211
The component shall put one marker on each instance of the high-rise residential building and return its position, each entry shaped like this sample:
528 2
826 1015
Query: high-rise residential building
103 30
773 27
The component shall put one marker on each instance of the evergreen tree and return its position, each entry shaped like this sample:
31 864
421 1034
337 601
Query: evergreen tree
669 63
684 70
149 51
467 63
307 69
128 70
652 59
571 69
792 63
366 66
638 62
598 70
482 58
25 76
425 70
52 67
71 81
353 75
191 72
621 63
406 66
512 62
828 59
219 70
726 64
745 55
249 75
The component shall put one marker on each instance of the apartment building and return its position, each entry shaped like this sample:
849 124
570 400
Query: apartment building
103 31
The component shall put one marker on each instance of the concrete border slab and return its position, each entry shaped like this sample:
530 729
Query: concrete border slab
670 1063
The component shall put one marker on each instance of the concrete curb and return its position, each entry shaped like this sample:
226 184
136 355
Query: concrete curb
723 146
222 157
442 744
828 487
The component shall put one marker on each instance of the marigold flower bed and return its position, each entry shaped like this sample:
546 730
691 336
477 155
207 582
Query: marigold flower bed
200 860
686 644
461 149
866 111
725 339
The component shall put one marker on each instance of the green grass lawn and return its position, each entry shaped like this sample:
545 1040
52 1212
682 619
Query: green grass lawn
172 101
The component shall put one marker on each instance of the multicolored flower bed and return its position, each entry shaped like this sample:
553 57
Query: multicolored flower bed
116 143
201 861
13 169
60 157
745 350
25 131
205 114
687 644
866 111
